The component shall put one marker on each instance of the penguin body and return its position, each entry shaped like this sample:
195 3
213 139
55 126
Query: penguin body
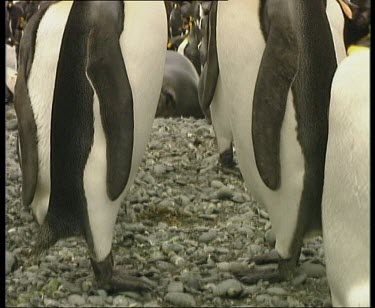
91 112
271 91
179 94
346 197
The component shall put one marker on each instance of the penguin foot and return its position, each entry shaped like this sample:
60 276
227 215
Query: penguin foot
232 170
227 163
116 280
271 257
284 269
120 282
253 275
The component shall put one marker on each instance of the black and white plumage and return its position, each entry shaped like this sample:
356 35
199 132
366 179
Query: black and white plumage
271 94
346 195
85 114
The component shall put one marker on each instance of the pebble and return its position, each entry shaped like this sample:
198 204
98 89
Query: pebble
10 260
224 193
299 278
216 184
313 270
95 300
293 302
208 236
201 251
76 300
180 299
270 237
12 124
120 301
50 302
263 298
277 291
175 287
229 288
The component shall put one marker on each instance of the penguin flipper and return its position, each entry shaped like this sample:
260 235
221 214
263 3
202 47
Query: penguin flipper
277 71
210 71
107 72
27 130
28 140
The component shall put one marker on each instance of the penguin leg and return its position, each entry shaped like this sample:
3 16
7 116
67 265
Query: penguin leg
227 163
115 280
223 132
285 268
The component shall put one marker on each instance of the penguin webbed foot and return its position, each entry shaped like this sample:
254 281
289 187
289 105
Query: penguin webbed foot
116 280
121 281
283 270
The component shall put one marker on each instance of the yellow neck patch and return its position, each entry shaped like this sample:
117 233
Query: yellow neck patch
354 48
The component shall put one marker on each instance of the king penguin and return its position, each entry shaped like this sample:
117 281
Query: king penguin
85 114
346 194
274 97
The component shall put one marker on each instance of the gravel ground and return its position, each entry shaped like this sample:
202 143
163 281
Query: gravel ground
185 226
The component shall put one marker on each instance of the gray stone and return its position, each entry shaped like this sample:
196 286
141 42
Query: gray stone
180 299
10 260
224 193
270 237
263 298
216 184
175 286
76 300
313 270
299 278
277 291
165 266
229 288
208 236
12 124
95 300
293 302
120 301
50 303
159 169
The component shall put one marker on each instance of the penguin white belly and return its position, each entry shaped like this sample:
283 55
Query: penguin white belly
145 75
336 21
41 85
346 195
238 70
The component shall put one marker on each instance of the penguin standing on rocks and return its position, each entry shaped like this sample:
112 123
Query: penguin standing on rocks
275 90
346 194
83 130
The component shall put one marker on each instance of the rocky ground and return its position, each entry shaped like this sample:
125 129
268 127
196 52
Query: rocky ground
186 227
